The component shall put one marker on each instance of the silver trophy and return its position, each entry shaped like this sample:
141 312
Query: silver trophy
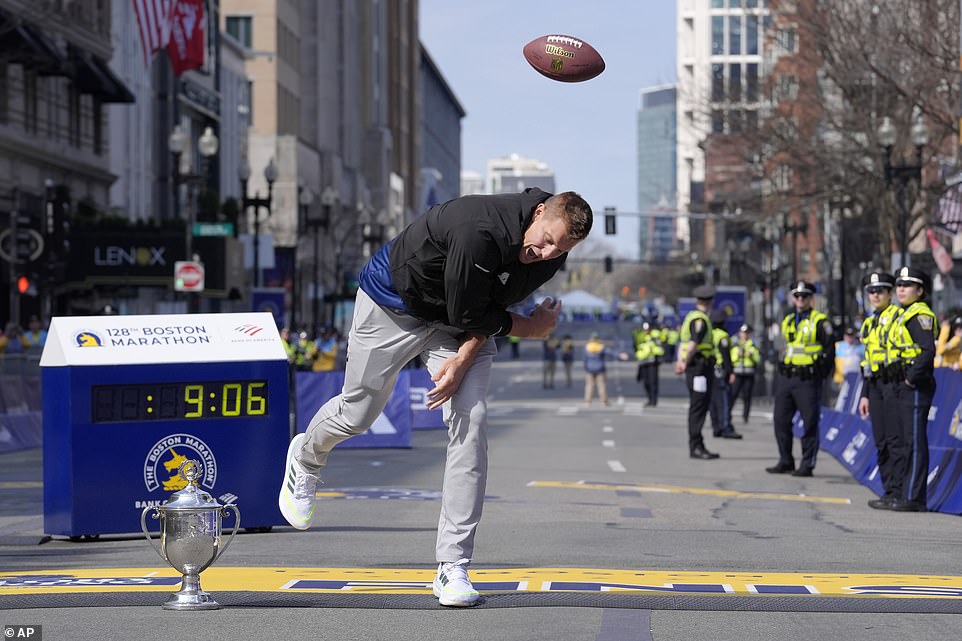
190 537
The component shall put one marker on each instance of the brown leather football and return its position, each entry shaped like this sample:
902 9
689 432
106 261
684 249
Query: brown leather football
564 58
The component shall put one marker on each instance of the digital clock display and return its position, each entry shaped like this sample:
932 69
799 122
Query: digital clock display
175 401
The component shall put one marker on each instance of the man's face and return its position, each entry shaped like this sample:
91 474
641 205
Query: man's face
545 238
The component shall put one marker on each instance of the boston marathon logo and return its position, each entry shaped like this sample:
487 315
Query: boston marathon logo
72 581
163 461
88 339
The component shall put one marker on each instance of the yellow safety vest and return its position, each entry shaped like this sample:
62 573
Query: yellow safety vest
718 338
902 346
803 348
706 347
874 333
745 357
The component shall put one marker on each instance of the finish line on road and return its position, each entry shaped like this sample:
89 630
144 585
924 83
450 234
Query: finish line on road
418 581
672 489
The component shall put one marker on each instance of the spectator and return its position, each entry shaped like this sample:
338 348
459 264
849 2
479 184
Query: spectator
595 375
551 344
567 356
849 353
326 351
948 349
12 340
35 337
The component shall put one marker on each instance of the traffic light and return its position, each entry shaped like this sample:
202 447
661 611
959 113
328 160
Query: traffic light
27 285
608 264
610 221
624 291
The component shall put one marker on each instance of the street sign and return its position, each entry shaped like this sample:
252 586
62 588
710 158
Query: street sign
23 246
213 229
188 276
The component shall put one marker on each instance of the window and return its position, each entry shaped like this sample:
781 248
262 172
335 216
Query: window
30 101
717 82
735 121
717 35
787 40
782 179
751 82
735 82
717 121
734 35
751 35
240 28
4 94
717 4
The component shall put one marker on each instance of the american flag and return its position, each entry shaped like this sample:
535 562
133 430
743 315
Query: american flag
949 214
153 17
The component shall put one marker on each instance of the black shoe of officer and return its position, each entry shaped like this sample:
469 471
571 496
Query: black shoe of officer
883 503
802 471
700 452
900 505
731 434
781 468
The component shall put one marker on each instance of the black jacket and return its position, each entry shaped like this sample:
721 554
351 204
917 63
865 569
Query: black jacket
458 263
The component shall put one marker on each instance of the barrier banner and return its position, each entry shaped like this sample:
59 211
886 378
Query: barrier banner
392 427
848 437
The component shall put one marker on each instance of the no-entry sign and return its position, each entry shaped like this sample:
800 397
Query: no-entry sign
188 276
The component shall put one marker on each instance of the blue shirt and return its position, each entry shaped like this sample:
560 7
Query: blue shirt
375 279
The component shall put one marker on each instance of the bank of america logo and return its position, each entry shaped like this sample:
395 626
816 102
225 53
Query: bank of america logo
250 330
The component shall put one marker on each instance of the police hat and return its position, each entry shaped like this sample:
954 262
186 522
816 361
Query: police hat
704 292
645 326
850 331
910 275
718 316
875 279
745 328
804 287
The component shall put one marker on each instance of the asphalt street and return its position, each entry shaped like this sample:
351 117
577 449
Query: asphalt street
605 492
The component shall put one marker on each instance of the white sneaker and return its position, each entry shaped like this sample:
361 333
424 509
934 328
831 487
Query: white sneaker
298 490
452 585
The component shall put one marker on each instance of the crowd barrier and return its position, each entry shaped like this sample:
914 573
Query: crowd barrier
848 437
21 425
405 409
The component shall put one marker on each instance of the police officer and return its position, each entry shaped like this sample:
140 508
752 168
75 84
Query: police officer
809 356
912 339
721 415
745 358
878 393
696 360
648 353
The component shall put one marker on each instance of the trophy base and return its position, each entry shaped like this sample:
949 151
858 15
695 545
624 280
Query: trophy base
191 596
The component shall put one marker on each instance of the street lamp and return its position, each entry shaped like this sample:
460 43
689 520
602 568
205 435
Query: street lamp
901 174
270 175
178 144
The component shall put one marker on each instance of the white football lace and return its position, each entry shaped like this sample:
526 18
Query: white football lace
565 40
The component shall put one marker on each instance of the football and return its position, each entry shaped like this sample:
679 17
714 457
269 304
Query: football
564 58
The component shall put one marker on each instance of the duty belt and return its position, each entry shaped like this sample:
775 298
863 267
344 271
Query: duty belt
803 372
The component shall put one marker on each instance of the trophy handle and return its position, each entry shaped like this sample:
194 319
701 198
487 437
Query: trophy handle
143 526
223 511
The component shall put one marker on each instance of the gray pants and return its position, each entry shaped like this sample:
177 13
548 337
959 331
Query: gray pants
380 344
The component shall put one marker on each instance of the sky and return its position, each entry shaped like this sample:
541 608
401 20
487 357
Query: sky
586 132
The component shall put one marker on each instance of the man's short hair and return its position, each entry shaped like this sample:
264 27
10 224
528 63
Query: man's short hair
575 211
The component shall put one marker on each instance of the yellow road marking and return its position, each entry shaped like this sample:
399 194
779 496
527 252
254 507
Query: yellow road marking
418 581
672 489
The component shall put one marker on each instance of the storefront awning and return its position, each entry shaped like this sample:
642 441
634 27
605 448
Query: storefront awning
28 46
91 75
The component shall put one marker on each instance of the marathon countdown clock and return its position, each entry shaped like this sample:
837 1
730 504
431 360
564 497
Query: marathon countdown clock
127 399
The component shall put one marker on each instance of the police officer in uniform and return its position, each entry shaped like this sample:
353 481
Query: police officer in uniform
877 400
745 358
912 339
721 414
696 360
809 356
648 353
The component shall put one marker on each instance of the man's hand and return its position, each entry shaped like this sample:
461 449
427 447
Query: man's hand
541 322
447 381
679 367
863 407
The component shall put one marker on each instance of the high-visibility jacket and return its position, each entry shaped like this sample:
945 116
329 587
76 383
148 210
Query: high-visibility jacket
802 347
874 333
903 347
745 357
706 347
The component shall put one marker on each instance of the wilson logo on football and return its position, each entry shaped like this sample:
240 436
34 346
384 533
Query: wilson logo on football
249 330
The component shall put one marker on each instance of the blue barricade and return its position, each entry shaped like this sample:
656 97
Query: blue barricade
848 437
421 417
391 429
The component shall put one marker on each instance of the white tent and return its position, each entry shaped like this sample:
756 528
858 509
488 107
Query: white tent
580 301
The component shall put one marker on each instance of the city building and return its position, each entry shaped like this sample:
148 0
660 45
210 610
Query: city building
441 116
657 171
515 173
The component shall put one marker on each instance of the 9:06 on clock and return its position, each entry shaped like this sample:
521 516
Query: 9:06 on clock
175 401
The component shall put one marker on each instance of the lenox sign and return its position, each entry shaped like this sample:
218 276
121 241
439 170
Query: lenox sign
116 256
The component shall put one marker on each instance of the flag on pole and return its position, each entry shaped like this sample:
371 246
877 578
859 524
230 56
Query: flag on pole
188 35
949 214
153 19
943 259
